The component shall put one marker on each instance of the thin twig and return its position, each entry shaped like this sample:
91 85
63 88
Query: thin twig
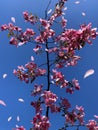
47 9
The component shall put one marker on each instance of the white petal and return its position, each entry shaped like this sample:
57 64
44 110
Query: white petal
9 118
18 119
65 8
2 103
49 11
13 19
88 73
20 100
77 2
17 126
32 58
83 14
20 43
4 76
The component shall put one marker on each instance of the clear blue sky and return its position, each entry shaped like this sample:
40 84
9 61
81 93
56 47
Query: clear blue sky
11 89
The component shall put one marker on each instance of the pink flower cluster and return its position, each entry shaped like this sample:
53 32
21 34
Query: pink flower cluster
92 125
46 33
29 72
66 58
37 106
73 39
29 17
65 104
58 78
71 86
58 11
17 36
37 90
49 98
40 122
76 115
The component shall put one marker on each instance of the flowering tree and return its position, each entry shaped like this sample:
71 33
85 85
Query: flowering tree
59 50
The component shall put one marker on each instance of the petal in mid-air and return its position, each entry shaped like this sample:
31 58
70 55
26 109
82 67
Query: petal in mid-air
88 73
2 103
13 19
4 76
9 118
20 100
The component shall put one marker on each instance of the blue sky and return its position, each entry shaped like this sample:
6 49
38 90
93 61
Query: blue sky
11 89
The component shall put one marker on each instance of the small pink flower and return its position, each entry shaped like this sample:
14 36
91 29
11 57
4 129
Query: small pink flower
37 89
40 122
49 98
19 128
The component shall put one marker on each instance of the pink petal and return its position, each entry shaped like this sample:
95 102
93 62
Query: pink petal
88 73
20 100
2 103
13 19
9 118
96 116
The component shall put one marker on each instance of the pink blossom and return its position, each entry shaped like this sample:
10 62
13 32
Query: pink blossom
4 27
19 128
37 89
13 41
29 17
59 79
29 72
65 103
63 22
54 108
40 122
37 48
92 125
49 98
76 84
37 106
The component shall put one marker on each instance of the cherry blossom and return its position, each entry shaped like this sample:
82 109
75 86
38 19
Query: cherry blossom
49 98
40 122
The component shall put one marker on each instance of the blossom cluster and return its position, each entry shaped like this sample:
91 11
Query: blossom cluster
29 72
18 37
59 79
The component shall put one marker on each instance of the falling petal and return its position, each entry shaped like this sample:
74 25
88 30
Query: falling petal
88 73
96 116
77 2
9 118
65 8
83 14
32 58
18 119
46 49
20 100
2 103
49 11
4 76
13 19
21 43
17 126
